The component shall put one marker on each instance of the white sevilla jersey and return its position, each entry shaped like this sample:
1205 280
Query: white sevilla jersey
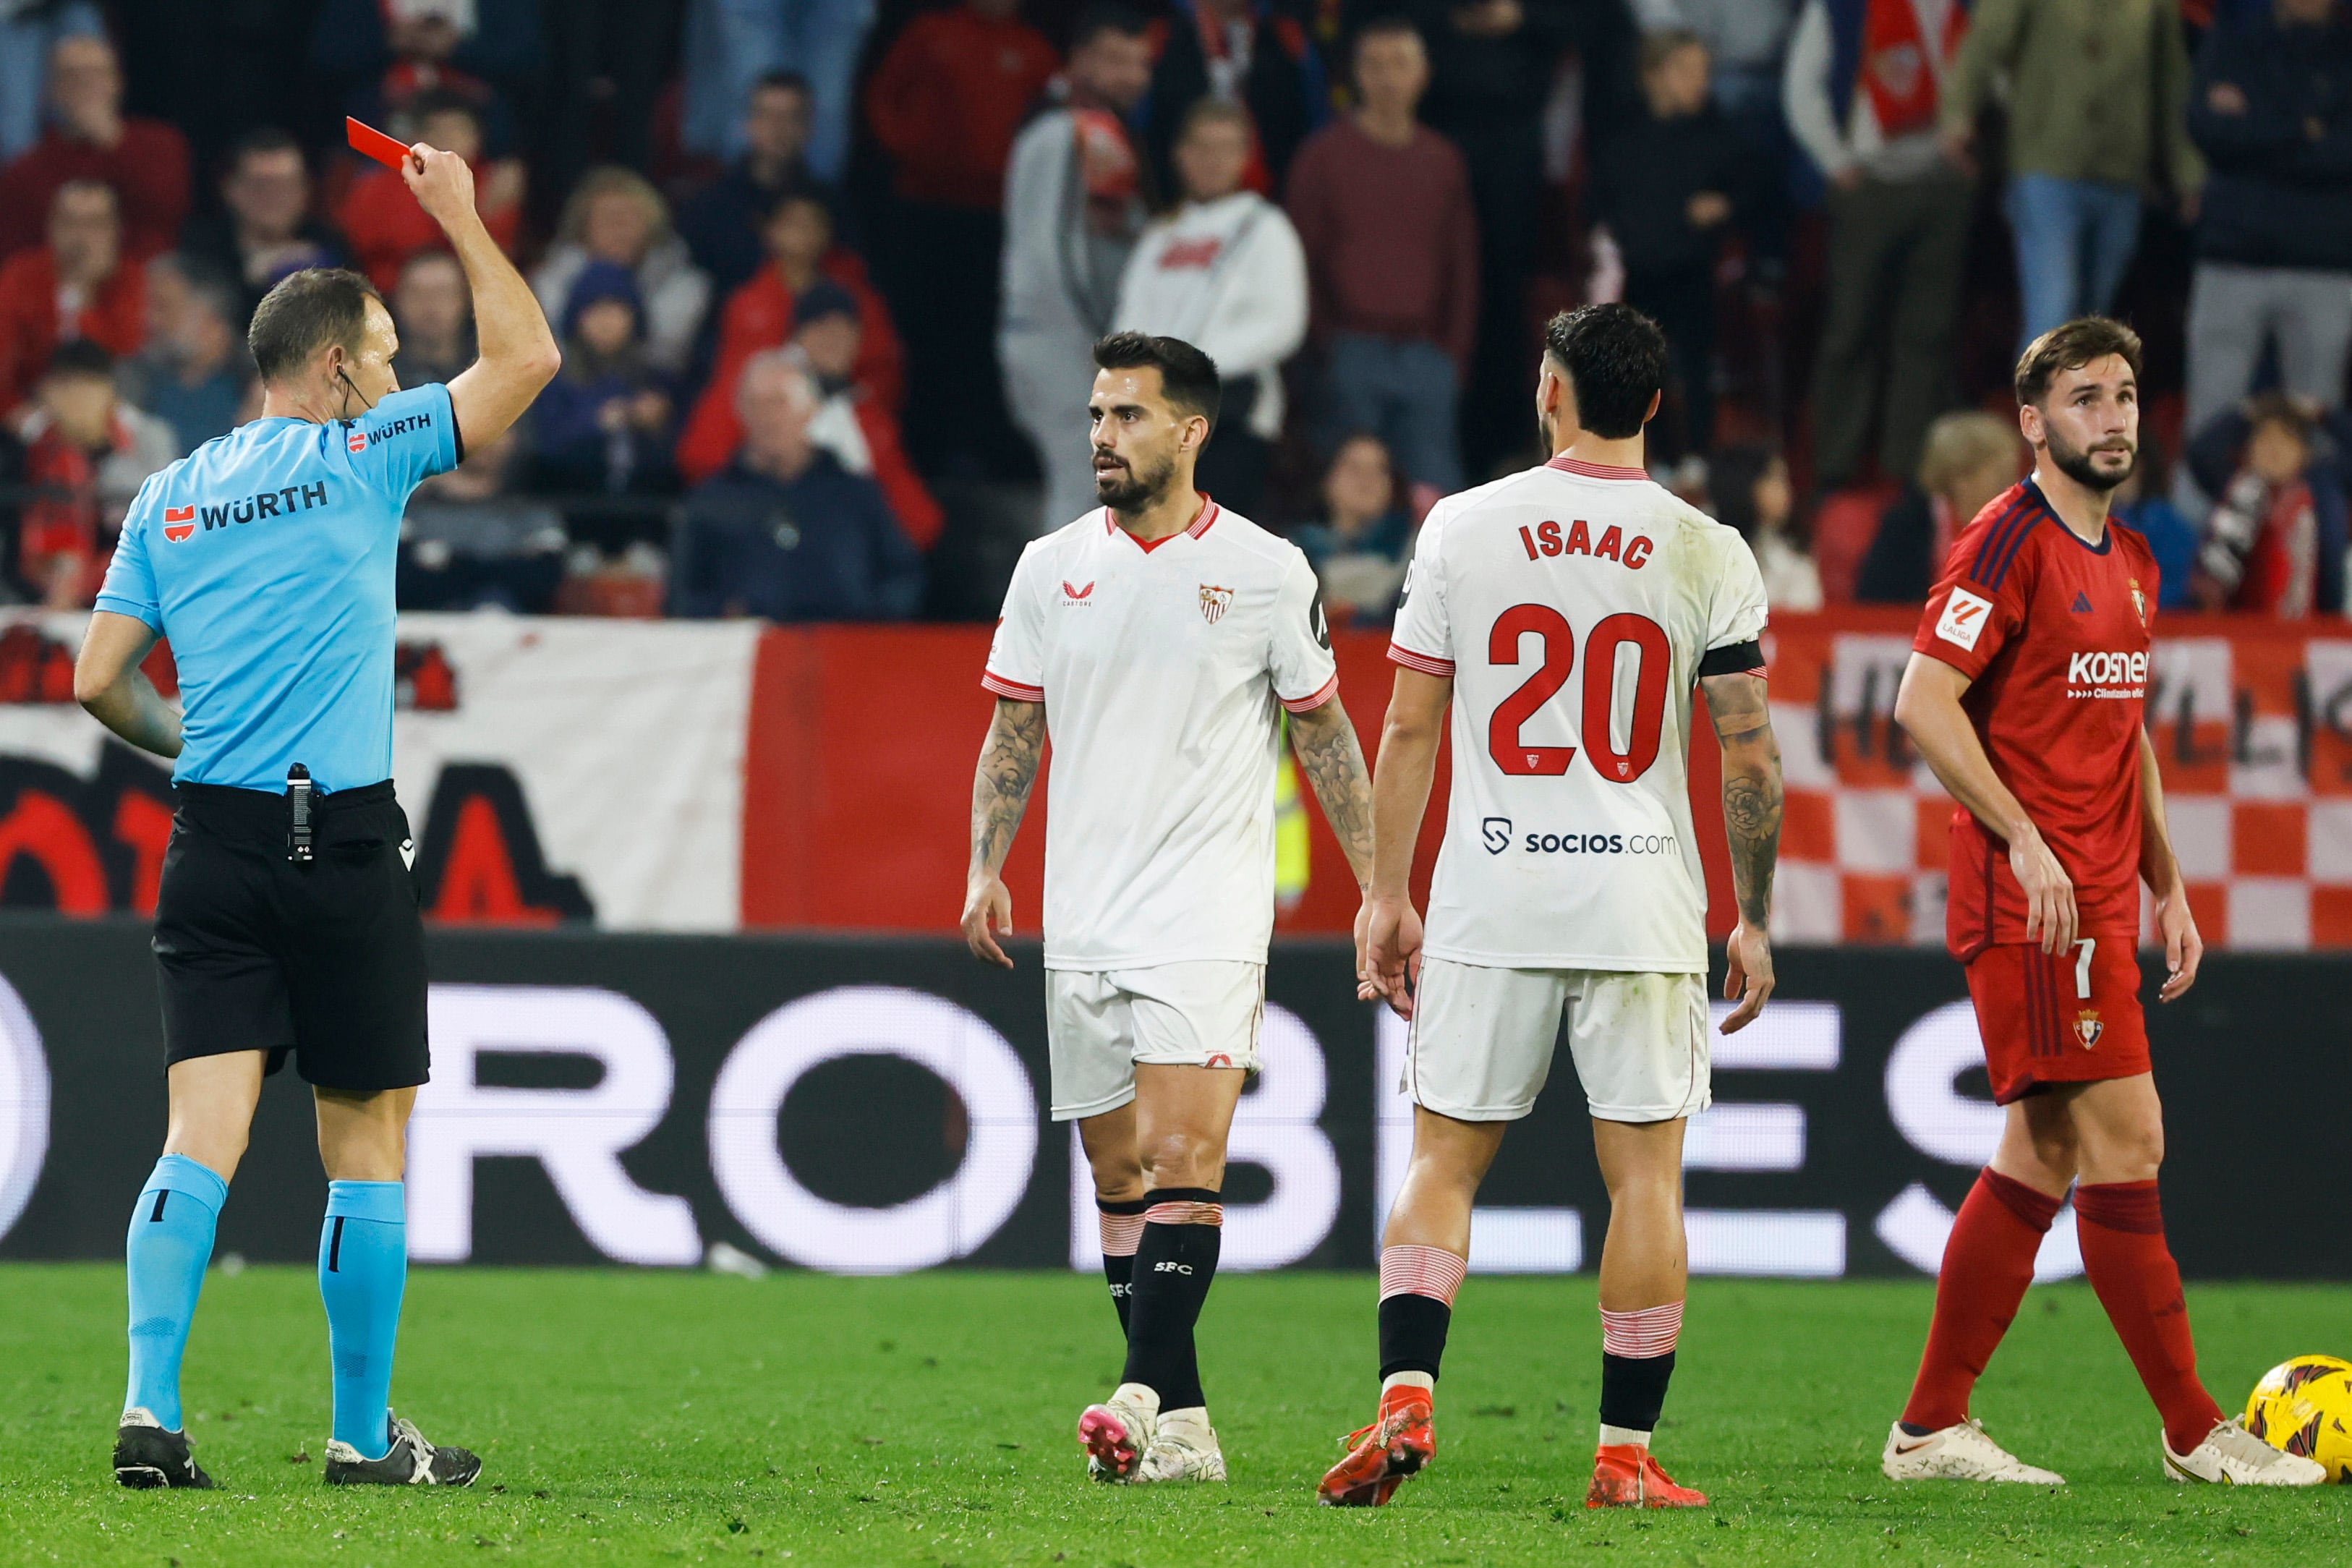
1572 606
1161 669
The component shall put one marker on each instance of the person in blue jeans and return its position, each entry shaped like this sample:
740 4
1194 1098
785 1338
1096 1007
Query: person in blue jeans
732 44
2098 94
27 34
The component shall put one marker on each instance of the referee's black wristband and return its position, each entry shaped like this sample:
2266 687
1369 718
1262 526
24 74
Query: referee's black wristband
1736 659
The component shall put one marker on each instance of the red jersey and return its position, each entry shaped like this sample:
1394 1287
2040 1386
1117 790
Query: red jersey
2053 634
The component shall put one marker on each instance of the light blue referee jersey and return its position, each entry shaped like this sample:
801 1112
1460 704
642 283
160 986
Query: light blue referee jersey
267 557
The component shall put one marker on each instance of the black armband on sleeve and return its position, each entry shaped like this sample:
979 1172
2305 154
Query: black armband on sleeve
1736 659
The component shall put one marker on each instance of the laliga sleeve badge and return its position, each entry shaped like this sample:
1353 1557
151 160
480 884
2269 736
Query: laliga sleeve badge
1963 620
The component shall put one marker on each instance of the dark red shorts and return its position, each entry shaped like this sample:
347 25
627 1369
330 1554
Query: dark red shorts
2058 1018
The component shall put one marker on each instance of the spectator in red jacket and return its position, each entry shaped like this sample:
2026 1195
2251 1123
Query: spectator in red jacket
948 96
2261 551
384 223
87 452
76 286
144 160
945 104
801 253
860 431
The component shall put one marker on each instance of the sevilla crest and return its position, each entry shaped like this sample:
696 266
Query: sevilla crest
2087 1027
1215 602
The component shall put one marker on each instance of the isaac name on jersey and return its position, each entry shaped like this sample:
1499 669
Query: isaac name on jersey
1573 606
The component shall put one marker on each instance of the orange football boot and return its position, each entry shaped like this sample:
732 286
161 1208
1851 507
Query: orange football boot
1624 1476
1400 1443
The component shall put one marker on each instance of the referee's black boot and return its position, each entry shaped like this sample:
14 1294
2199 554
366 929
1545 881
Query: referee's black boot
410 1462
145 1456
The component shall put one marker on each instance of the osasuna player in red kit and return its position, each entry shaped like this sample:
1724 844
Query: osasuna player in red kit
2024 693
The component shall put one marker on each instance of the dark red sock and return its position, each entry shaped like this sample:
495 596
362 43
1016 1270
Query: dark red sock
1988 1264
2131 1269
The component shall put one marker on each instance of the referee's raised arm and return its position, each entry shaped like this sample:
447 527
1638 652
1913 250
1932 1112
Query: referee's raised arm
518 356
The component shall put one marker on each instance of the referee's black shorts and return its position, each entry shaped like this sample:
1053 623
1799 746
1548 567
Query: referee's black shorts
325 960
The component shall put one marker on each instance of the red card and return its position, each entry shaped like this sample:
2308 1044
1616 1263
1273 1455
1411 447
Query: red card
367 140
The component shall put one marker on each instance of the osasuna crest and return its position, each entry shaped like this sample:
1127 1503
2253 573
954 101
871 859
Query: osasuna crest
2139 602
1215 602
2087 1027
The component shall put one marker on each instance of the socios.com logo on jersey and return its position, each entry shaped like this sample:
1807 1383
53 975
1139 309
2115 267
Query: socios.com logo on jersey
1598 844
1496 832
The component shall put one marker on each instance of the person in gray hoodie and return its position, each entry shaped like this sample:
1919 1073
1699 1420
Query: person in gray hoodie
1073 206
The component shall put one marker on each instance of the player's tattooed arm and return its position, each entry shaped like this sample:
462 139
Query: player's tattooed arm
1751 825
1752 787
999 792
1333 761
999 788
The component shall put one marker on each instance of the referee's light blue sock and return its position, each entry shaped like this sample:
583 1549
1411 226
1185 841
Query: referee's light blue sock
363 1273
169 1243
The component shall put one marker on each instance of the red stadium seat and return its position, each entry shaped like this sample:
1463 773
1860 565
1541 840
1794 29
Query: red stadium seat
1842 531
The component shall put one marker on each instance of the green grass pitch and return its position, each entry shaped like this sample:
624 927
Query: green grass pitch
646 1417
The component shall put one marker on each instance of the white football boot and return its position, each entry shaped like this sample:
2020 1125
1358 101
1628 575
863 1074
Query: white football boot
2231 1455
1961 1453
1184 1448
1116 1432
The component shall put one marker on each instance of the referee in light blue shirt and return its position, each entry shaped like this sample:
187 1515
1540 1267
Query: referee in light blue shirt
287 922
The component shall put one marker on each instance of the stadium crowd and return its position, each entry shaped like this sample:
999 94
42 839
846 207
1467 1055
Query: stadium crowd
826 274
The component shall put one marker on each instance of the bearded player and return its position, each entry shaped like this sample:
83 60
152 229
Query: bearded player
1564 616
2024 693
1159 638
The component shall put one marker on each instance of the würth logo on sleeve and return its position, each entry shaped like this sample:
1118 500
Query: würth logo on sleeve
1215 602
361 440
179 522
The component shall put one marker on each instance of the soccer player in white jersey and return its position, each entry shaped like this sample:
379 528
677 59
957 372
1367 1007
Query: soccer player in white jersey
1564 613
1158 637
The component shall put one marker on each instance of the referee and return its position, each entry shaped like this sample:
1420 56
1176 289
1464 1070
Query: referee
287 920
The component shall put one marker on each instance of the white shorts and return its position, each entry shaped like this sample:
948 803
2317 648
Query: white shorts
1099 1025
1482 1041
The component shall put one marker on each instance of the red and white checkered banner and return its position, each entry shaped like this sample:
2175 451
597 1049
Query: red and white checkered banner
2252 725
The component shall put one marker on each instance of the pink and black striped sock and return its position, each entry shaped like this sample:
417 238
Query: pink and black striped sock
1417 1288
1637 1360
